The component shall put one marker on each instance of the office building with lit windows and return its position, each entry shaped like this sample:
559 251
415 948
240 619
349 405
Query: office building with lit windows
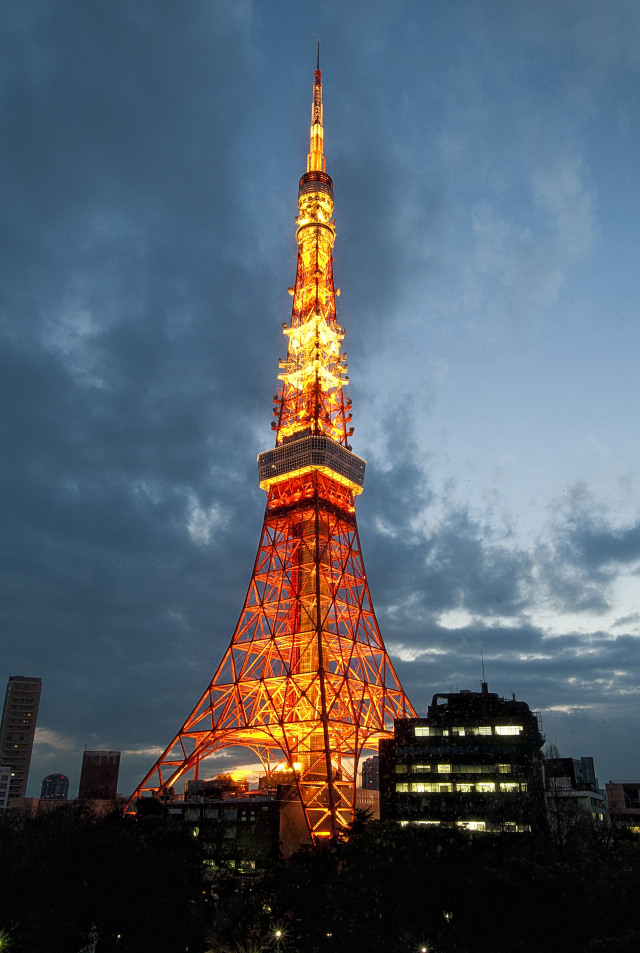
474 762
18 729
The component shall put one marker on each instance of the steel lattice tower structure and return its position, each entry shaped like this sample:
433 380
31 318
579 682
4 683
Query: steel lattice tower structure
306 682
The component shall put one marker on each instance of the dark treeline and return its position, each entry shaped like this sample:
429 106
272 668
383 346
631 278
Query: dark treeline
72 883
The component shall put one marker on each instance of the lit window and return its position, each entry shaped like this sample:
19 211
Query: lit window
471 825
458 731
486 787
464 788
504 769
401 769
424 823
485 730
523 787
508 729
509 786
402 787
421 732
430 787
420 768
444 769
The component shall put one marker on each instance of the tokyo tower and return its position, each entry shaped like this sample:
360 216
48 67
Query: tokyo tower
306 683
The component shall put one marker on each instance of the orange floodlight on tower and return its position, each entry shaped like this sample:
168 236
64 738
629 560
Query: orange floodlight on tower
306 682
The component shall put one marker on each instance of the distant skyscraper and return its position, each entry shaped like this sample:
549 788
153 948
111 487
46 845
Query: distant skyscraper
371 774
55 787
99 777
18 729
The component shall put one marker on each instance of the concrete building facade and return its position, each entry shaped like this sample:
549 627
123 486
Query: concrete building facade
99 775
623 798
18 728
573 797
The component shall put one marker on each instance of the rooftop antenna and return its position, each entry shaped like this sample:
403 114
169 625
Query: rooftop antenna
318 66
485 687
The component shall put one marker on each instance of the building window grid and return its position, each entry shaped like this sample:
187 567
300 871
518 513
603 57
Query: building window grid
460 787
422 731
440 768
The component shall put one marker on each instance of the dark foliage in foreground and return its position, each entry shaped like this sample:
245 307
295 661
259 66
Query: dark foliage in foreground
398 889
71 883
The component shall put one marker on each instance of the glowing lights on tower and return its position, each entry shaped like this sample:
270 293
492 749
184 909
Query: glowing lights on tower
306 682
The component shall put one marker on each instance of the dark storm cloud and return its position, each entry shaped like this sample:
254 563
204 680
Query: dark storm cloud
147 243
424 565
132 328
427 558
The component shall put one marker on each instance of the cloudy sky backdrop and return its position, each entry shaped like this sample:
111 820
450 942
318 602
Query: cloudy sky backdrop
485 158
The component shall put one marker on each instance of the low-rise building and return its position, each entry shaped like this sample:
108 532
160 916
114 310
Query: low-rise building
239 832
573 797
96 806
474 762
368 800
5 782
624 804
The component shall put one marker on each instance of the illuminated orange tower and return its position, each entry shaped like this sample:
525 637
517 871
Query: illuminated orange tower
306 682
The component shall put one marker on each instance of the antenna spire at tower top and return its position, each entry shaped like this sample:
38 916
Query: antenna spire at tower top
316 161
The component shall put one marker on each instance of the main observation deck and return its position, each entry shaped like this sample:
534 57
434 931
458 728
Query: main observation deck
311 453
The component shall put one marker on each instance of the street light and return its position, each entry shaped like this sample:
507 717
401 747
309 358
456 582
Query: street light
278 935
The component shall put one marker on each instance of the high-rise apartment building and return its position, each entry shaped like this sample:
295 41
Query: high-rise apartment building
99 776
371 774
55 787
18 729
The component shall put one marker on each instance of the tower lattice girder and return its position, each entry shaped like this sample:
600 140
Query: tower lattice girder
306 682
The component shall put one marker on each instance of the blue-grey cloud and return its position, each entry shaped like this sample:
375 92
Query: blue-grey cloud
148 177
